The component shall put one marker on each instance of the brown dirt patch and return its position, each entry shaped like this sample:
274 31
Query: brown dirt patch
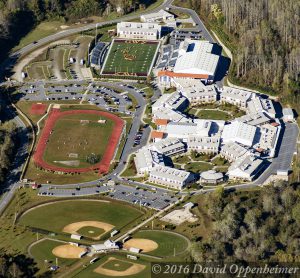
132 270
146 245
74 227
68 251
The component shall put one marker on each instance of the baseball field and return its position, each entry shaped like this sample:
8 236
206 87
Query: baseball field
114 265
89 218
167 243
130 57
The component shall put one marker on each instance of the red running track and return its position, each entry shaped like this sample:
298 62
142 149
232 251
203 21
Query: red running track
103 165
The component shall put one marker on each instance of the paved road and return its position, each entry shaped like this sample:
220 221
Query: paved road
200 25
12 182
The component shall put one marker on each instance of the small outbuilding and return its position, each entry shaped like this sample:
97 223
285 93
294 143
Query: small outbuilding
76 237
288 114
134 250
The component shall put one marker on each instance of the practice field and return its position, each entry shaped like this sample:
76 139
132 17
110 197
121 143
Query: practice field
115 266
59 216
78 141
130 57
168 242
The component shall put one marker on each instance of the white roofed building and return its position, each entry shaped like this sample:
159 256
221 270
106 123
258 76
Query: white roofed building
203 144
211 177
195 61
254 119
235 96
146 159
169 147
136 30
185 130
160 16
175 101
169 114
232 151
240 133
288 114
170 177
246 168
260 105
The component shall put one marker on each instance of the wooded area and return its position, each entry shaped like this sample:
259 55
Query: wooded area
7 142
18 17
259 226
264 37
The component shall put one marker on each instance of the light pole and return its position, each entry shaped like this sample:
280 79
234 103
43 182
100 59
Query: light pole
96 33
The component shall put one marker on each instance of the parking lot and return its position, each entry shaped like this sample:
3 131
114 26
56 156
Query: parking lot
153 199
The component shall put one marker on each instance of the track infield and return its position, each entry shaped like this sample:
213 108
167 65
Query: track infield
68 137
130 57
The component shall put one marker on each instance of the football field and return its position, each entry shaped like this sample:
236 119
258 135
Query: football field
130 57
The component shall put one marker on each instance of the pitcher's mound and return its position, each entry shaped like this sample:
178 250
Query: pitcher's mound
68 251
146 245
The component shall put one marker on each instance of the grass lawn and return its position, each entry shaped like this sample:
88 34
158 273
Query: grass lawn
181 159
123 262
168 242
70 135
213 115
42 30
197 167
60 214
90 231
201 156
130 169
43 251
129 58
220 161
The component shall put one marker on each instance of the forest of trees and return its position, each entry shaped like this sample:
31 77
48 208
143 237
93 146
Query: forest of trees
18 17
264 37
261 226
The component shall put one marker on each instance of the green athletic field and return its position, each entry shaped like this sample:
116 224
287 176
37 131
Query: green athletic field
71 135
43 251
55 216
122 264
142 56
168 242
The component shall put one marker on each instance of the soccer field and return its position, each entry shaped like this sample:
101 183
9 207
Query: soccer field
130 58
78 135
78 141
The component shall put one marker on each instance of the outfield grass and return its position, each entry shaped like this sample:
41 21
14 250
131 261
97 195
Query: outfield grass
142 56
168 242
71 136
43 251
197 167
214 115
120 259
90 231
54 217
